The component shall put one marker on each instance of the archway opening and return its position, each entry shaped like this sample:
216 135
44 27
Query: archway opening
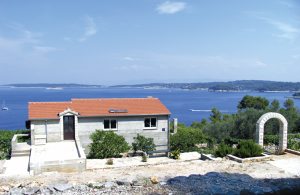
271 136
260 130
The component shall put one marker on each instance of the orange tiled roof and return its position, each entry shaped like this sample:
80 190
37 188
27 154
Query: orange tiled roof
98 107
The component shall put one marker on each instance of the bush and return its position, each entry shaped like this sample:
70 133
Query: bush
271 139
186 139
110 161
142 143
144 158
107 144
248 148
5 142
293 144
223 150
175 154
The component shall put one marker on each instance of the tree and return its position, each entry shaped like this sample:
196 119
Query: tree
197 125
221 129
275 105
107 144
186 139
215 115
245 123
256 102
289 104
142 143
291 114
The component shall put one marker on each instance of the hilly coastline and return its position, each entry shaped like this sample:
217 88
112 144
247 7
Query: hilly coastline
239 85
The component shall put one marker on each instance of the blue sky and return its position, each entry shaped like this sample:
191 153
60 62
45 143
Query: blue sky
142 41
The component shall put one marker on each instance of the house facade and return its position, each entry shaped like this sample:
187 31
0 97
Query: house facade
77 119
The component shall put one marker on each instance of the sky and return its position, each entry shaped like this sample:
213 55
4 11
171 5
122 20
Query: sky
144 41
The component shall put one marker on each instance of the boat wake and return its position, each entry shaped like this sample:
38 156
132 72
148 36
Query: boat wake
200 110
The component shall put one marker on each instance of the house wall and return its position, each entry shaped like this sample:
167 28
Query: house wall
49 128
128 127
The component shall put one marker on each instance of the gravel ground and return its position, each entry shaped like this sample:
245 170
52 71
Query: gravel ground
177 177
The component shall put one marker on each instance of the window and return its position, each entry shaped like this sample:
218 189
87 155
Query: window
110 124
150 122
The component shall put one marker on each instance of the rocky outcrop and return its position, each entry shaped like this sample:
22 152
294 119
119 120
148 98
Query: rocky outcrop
210 183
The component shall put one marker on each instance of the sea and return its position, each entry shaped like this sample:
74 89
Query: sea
186 105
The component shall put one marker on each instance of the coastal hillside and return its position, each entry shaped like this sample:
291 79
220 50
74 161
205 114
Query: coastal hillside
240 85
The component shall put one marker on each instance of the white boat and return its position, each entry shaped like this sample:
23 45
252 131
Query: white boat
4 108
54 88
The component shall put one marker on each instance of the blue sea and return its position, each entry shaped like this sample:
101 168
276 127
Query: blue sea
186 105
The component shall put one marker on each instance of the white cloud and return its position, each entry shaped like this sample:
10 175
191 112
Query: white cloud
44 49
90 29
260 63
67 39
170 7
127 58
285 30
288 4
296 56
25 47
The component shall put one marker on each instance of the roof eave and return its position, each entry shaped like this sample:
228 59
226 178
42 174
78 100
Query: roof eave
80 116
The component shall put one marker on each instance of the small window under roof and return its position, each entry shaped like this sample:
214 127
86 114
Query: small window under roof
113 110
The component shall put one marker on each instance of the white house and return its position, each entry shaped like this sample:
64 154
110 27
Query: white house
54 125
78 118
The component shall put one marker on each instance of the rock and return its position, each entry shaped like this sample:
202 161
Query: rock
31 190
81 187
123 183
162 183
4 188
109 184
98 185
15 191
154 179
33 184
46 190
176 180
267 190
137 183
62 187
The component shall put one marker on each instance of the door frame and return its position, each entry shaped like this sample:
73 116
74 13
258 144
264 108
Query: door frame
70 129
68 112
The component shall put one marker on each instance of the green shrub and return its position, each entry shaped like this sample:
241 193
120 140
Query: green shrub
5 141
231 141
207 150
293 144
248 148
107 144
142 143
175 154
271 139
223 150
186 139
144 158
110 161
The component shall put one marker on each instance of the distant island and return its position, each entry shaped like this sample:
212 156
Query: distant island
52 85
240 85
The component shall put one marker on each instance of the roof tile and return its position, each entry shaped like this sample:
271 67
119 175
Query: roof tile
98 107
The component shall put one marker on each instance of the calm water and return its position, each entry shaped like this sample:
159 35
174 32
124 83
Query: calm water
179 102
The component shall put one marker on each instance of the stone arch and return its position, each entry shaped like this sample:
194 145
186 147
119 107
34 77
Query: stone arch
283 128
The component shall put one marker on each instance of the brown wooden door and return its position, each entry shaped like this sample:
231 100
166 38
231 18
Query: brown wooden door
69 128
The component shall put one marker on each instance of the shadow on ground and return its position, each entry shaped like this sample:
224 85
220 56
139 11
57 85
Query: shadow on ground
228 183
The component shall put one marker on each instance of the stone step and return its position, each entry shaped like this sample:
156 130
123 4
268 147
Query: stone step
20 151
19 154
